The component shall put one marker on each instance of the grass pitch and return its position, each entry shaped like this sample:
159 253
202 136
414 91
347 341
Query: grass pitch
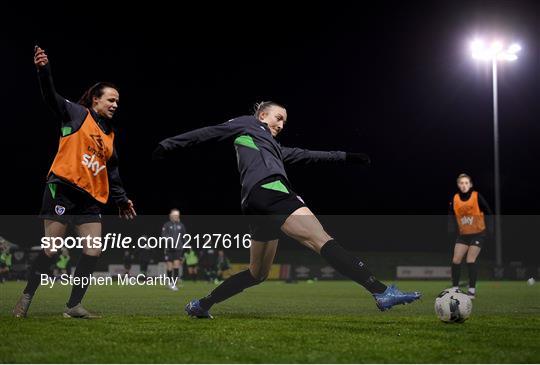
323 322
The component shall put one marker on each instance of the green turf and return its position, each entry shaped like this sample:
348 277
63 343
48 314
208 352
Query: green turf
330 322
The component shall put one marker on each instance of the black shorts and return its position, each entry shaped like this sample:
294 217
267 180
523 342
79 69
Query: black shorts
66 204
472 239
173 255
269 204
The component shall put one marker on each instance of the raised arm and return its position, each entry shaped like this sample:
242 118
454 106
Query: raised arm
60 106
213 133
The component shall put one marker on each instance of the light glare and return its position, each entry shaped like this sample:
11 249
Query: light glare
514 48
495 51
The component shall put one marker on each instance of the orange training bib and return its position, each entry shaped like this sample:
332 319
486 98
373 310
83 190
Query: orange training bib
468 215
82 159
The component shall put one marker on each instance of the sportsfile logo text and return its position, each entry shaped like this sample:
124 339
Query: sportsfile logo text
111 240
120 241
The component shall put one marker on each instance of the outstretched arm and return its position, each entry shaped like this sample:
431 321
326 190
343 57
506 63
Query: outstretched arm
213 133
298 155
54 101
301 156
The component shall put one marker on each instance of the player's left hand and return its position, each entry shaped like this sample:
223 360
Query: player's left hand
126 210
358 158
159 153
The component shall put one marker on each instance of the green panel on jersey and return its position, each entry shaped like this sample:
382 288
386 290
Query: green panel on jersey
246 141
277 186
66 131
52 188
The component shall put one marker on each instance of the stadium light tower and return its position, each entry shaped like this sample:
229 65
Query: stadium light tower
494 53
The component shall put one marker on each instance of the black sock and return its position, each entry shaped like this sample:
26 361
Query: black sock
456 272
85 267
473 273
175 273
350 266
232 286
41 265
169 274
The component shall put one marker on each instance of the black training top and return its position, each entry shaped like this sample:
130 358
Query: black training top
176 231
72 116
258 154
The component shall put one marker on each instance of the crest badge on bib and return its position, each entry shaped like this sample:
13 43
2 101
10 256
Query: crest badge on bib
59 209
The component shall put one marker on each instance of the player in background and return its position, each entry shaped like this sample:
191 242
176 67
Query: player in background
469 217
62 263
192 262
174 229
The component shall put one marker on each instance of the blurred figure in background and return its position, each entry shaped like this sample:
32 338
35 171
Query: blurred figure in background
62 263
208 264
145 257
5 262
192 263
223 265
175 230
128 261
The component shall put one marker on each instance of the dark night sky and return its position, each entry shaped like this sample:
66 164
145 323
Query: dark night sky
393 81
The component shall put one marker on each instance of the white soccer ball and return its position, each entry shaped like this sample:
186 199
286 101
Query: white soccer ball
531 281
452 306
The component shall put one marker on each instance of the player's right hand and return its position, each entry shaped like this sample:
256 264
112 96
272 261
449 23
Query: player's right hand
40 57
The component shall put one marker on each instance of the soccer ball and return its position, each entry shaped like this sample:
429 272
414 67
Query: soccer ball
452 306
